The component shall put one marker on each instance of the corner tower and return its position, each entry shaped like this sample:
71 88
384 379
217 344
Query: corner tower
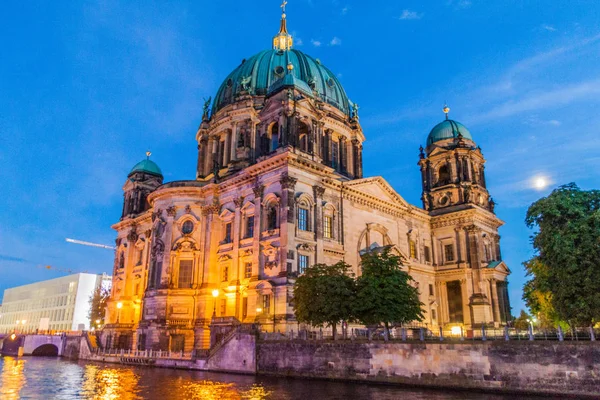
452 169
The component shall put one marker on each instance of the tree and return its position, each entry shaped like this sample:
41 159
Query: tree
324 295
522 321
97 302
566 269
384 293
537 296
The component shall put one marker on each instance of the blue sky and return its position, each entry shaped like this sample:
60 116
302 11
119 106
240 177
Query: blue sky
87 87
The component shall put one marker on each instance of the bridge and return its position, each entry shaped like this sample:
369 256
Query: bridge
33 345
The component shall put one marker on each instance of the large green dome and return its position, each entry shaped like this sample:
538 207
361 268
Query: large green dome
268 71
448 129
147 166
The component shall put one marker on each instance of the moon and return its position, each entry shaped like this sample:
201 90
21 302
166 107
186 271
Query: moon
540 183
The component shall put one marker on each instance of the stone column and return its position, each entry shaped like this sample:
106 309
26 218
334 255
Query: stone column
287 220
258 194
234 135
227 150
201 158
318 192
495 301
459 248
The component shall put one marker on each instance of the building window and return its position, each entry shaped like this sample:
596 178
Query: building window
444 175
122 260
413 249
250 227
449 253
302 263
433 317
223 308
266 303
225 276
303 219
227 233
335 155
244 307
272 218
248 270
328 227
185 274
430 289
427 253
187 227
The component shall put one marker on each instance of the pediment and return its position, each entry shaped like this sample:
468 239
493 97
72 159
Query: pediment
499 266
378 188
226 213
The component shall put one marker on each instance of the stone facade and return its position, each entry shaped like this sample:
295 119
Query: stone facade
279 186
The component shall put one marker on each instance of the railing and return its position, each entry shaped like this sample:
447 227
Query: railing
423 334
146 354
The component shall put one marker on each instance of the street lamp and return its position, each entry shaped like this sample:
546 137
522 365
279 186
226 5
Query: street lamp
215 294
119 306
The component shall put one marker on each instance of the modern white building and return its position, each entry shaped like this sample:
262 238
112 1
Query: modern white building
60 304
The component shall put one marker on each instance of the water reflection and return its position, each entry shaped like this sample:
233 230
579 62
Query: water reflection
53 378
13 378
105 383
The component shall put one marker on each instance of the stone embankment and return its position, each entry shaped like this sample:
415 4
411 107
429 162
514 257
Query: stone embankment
526 367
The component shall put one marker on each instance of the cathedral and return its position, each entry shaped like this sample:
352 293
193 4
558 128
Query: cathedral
279 187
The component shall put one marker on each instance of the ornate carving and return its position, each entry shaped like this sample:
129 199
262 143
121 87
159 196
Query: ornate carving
118 241
318 191
186 245
246 253
287 182
205 109
239 201
158 248
148 233
188 209
156 214
211 209
307 247
258 190
132 236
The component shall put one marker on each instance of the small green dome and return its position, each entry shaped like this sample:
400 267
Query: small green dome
147 166
268 71
448 129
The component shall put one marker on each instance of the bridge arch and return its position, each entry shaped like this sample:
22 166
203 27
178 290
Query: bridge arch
46 350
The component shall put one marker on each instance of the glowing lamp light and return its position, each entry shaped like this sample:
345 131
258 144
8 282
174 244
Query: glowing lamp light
215 293
13 336
23 322
456 330
258 310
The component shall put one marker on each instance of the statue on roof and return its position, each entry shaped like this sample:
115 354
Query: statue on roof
206 108
245 82
355 108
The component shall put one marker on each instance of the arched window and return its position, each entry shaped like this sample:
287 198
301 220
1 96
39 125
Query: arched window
187 227
274 137
444 175
122 260
271 217
465 169
303 137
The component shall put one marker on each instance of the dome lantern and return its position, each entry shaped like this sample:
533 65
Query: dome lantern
283 40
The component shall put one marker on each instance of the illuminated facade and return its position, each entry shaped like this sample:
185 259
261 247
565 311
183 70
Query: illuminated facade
279 186
60 304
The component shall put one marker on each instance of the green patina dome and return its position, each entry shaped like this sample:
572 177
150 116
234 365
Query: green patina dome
268 71
448 129
147 166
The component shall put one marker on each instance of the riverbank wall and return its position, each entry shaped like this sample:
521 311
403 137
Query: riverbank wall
557 368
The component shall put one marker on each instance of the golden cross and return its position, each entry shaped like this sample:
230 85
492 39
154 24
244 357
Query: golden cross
283 4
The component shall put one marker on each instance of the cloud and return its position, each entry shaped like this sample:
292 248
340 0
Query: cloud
336 41
407 14
460 4
299 42
4 257
315 43
549 28
543 100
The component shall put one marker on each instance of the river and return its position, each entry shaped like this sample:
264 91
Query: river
54 378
